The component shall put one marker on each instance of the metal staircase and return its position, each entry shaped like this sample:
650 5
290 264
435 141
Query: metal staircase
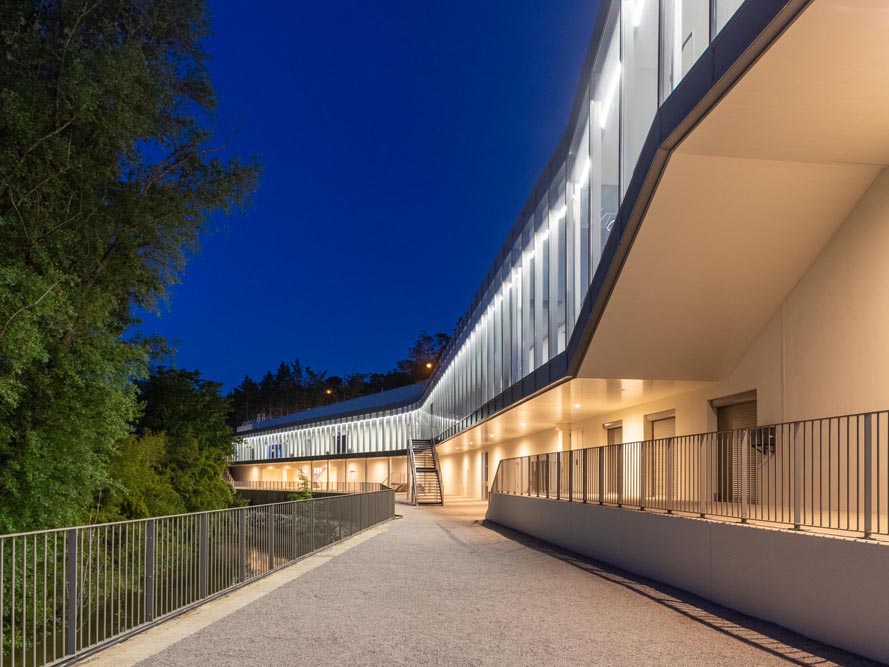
426 488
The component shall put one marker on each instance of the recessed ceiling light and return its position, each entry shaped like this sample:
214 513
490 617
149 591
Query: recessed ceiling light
577 405
523 424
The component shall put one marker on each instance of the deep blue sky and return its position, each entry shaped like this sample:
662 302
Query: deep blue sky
400 140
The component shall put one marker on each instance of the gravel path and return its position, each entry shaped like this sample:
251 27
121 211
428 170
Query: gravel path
439 588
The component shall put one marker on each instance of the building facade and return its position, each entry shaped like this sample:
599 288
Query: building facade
704 251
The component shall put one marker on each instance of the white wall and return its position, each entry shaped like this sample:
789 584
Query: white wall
827 588
824 352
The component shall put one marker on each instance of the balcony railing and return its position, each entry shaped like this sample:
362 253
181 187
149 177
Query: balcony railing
315 487
828 474
64 593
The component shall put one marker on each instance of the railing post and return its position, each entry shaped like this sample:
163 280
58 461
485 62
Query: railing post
71 639
868 475
600 452
745 474
668 473
642 465
558 475
242 544
620 475
312 506
703 473
150 534
204 558
271 537
570 475
798 453
583 472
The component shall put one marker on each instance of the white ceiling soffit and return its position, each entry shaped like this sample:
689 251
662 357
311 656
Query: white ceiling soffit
568 403
750 198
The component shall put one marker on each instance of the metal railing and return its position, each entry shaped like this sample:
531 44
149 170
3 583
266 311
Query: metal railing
828 474
64 593
412 466
318 487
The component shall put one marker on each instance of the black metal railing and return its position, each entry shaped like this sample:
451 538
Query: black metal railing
66 592
829 474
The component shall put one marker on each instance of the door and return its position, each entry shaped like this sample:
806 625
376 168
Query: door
729 418
661 457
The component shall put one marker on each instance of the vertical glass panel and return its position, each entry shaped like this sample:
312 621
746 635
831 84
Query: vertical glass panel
517 368
578 225
496 317
506 321
686 34
541 281
639 57
605 128
528 302
724 11
557 264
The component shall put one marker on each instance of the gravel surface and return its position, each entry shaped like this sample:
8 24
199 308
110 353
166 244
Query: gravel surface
439 588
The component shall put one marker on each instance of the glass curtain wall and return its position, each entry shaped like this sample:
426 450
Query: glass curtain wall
384 432
528 312
685 36
527 315
639 63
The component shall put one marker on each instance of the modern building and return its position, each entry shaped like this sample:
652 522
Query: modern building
677 362
704 251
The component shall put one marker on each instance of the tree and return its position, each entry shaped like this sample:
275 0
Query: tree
292 388
140 484
109 174
424 355
191 414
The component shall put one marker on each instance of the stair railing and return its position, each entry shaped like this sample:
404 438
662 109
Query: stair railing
438 473
412 493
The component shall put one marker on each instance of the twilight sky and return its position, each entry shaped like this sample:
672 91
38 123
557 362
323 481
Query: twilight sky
400 140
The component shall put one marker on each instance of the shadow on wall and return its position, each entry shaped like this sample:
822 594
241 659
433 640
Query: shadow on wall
781 642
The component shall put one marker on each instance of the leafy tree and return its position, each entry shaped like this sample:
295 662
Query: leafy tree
424 355
305 488
191 415
140 485
108 175
293 388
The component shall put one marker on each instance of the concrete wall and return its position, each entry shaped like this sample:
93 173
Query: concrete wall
831 589
823 353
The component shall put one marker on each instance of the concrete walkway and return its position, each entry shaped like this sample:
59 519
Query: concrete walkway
439 588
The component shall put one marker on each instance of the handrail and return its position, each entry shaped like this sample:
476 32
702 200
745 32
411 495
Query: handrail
412 496
66 592
438 473
824 474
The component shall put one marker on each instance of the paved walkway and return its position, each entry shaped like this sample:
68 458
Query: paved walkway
439 588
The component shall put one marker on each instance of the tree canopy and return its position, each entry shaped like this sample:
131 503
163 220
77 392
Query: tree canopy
293 387
174 461
109 174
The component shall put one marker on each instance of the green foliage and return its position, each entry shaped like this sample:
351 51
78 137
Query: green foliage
293 388
141 485
108 177
191 413
305 488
